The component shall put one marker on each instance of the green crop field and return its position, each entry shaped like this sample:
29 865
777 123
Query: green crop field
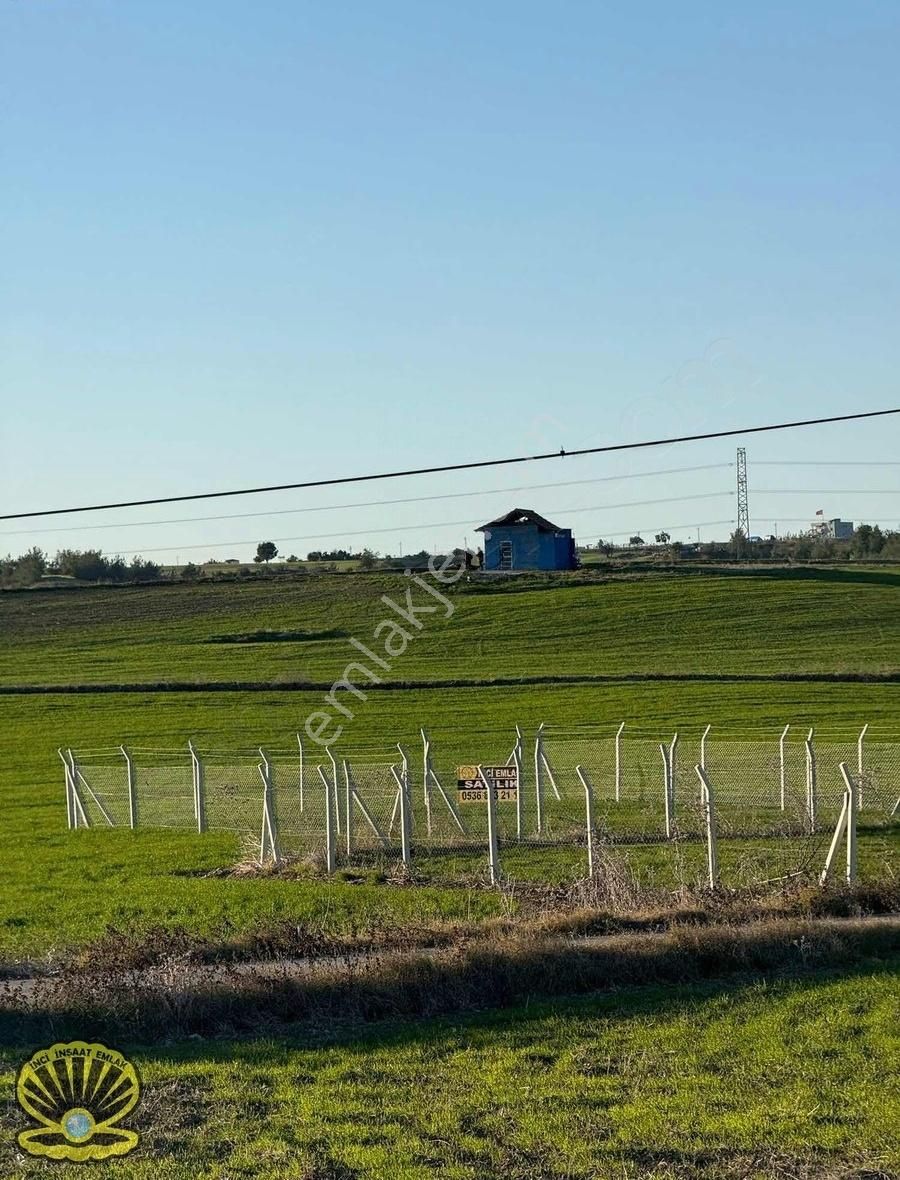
60 889
789 1078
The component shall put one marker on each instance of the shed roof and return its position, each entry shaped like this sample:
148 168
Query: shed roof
525 516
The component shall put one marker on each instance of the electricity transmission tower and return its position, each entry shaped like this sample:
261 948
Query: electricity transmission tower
743 509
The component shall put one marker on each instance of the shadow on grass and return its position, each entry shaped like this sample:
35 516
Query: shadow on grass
180 1000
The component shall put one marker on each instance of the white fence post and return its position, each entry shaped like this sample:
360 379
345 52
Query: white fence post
673 764
852 790
860 763
268 845
709 808
335 791
199 799
426 778
619 761
77 806
405 851
811 792
300 745
132 795
329 820
782 765
667 799
71 821
588 818
839 830
348 810
520 789
538 778
493 852
703 738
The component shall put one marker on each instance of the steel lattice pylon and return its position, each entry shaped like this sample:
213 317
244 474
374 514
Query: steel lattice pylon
743 508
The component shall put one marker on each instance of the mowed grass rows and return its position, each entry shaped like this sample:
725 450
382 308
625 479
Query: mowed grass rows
835 622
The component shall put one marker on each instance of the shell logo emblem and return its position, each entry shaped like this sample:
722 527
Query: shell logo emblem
78 1094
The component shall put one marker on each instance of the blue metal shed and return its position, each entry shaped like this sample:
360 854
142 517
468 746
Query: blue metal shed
525 540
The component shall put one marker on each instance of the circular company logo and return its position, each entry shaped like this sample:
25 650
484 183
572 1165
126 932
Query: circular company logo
78 1094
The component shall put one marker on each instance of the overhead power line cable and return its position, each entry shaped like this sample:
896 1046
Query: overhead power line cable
339 534
560 454
368 503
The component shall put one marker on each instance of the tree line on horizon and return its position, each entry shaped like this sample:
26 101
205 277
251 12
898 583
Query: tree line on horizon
91 565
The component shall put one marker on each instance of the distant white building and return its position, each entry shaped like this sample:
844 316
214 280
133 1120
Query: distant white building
840 530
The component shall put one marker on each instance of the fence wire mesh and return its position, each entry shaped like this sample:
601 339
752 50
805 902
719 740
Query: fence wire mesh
637 795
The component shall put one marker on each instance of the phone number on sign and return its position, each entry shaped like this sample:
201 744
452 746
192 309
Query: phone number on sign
479 794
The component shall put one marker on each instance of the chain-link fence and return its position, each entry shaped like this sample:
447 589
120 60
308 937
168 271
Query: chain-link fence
682 808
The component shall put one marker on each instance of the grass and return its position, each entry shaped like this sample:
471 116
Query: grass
792 1077
57 891
753 1079
679 625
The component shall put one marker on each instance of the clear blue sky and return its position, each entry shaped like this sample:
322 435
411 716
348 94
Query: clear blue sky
253 243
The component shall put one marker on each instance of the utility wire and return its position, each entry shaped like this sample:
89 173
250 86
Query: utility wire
338 534
560 454
368 503
825 463
825 491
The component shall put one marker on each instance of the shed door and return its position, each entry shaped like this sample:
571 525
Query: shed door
506 555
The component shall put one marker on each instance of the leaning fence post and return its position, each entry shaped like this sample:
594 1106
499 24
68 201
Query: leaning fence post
851 789
493 852
619 761
709 808
588 818
811 800
329 820
666 796
132 796
538 779
269 839
781 763
835 840
673 755
860 762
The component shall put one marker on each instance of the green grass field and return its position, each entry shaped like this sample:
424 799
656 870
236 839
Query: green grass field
57 890
834 622
790 1078
760 1081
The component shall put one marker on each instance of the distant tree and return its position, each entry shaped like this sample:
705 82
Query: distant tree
144 571
662 538
88 566
190 572
367 559
265 551
738 543
30 567
293 558
635 540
